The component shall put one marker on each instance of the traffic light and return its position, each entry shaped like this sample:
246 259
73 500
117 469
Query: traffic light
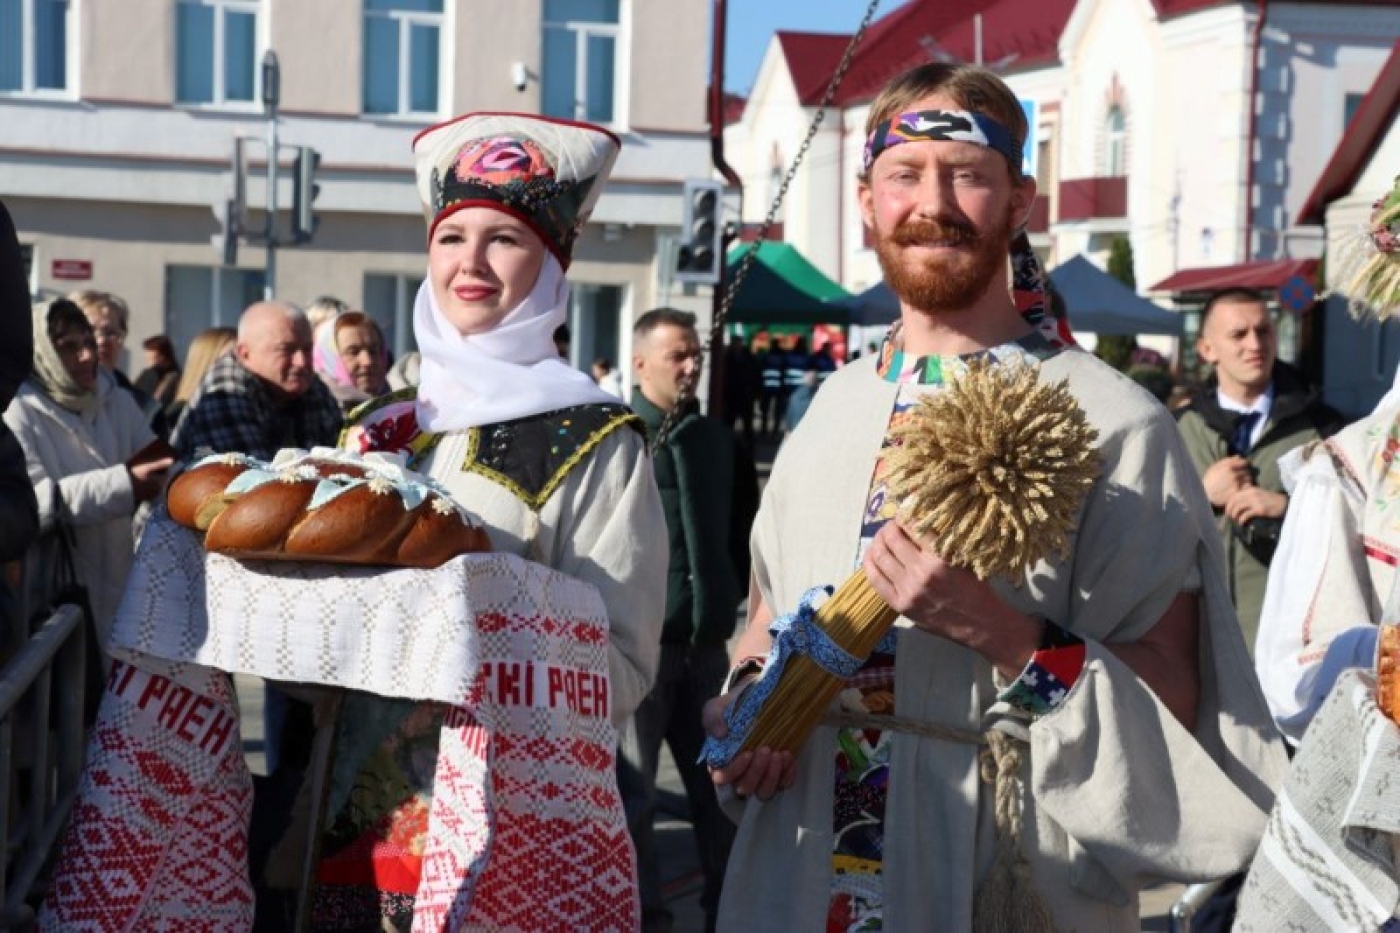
304 191
702 234
226 240
238 208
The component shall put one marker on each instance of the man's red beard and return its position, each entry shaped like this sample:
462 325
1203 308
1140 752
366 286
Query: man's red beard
943 283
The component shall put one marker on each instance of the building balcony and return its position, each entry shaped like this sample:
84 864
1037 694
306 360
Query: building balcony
1085 199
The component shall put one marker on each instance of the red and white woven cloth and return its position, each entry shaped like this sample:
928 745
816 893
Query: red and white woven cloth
526 827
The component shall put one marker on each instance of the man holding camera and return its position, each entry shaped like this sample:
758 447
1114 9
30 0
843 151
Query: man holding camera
1251 411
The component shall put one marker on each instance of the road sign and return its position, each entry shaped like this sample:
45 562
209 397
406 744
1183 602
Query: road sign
1296 294
72 270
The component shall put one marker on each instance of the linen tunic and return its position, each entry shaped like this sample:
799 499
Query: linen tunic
1118 793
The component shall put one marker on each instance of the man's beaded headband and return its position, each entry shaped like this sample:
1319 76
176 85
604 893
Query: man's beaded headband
962 126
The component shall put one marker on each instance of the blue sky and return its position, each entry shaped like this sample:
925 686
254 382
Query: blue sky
753 22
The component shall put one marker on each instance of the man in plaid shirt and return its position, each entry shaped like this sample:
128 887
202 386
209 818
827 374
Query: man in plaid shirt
262 397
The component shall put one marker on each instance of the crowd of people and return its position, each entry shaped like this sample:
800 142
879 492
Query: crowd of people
1026 754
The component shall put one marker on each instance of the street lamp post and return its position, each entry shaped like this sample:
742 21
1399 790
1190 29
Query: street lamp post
271 90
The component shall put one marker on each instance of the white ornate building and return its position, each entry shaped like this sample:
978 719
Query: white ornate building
1142 125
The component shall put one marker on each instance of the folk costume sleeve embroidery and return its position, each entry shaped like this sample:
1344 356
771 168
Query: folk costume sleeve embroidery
1333 571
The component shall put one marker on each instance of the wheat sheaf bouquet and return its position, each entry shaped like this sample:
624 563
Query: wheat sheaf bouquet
990 474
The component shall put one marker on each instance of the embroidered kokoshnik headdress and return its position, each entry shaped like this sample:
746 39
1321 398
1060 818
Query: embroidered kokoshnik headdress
545 172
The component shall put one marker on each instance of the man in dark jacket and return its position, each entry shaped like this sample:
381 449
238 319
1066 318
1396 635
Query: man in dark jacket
709 491
1252 411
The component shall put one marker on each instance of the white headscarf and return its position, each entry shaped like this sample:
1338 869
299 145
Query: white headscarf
511 371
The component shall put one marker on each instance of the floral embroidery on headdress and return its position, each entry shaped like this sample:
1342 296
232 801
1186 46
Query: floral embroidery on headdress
502 160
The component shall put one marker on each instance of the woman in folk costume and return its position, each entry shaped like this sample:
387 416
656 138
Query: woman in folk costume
558 473
1328 859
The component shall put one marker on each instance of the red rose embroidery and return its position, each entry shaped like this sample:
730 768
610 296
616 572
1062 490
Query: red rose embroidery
392 434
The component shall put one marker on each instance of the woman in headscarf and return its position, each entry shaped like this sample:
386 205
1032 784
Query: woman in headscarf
558 473
90 451
350 358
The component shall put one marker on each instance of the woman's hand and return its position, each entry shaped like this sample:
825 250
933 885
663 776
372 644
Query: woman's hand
762 772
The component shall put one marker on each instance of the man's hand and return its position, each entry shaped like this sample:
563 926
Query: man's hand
1253 502
949 601
762 772
1226 477
148 471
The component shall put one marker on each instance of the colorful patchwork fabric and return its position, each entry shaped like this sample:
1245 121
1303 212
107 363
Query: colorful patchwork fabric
963 126
1050 673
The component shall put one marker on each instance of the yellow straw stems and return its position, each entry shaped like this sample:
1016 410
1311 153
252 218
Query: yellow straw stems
856 618
990 474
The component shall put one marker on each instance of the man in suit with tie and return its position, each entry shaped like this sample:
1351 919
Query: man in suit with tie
1251 411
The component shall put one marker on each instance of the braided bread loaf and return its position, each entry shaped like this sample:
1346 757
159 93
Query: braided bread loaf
1388 671
325 505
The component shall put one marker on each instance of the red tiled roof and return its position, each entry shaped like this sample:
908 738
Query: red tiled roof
812 58
734 105
1368 126
1025 31
1264 274
1169 8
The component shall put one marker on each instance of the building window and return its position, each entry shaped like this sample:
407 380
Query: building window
389 300
579 77
1115 144
1350 104
216 51
595 326
402 56
33 45
200 297
1042 162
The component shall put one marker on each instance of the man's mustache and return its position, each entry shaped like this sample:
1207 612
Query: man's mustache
943 232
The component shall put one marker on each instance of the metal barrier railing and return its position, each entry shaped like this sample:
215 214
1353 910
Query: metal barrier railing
41 702
1183 912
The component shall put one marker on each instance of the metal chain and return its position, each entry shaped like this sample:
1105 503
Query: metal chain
737 280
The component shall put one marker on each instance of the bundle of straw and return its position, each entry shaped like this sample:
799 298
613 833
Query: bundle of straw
989 474
1368 266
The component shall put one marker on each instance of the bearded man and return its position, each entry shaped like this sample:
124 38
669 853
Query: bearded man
1142 750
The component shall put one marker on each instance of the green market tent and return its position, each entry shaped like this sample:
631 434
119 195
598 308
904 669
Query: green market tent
783 288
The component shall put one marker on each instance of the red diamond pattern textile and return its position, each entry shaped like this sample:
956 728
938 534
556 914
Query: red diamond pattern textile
526 828
158 838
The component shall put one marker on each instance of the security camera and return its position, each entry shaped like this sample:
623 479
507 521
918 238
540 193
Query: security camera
519 76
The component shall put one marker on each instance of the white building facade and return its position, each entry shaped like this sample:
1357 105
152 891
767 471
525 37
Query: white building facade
119 119
1142 123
